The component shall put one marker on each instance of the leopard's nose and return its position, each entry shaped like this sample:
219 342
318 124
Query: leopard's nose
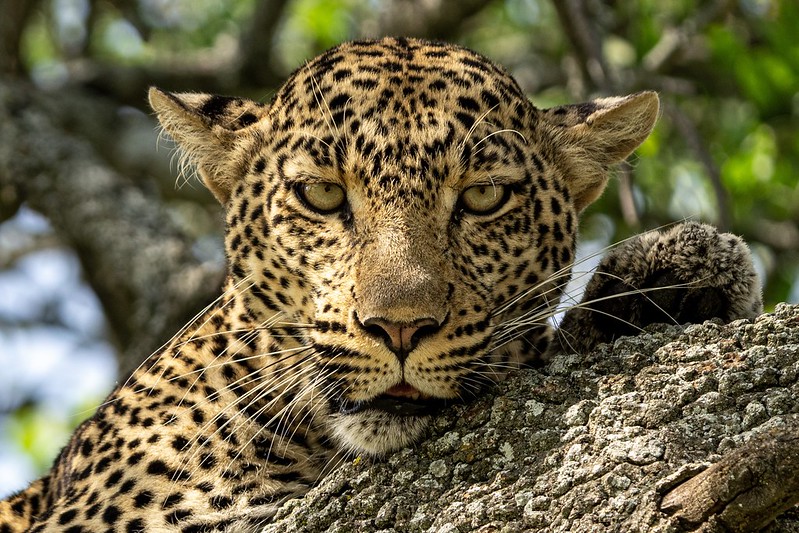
401 338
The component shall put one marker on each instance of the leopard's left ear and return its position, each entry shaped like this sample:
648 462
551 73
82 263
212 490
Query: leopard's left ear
207 129
595 135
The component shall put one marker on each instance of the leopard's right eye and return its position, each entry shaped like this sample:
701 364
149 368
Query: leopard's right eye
484 199
322 197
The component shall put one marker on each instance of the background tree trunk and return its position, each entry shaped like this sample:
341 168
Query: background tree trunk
136 259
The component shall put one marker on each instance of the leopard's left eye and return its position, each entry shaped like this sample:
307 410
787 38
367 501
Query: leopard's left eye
322 197
484 199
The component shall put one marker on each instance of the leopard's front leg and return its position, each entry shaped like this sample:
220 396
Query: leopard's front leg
687 273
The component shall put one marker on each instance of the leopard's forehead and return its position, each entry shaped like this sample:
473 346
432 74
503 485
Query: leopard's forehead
404 77
400 114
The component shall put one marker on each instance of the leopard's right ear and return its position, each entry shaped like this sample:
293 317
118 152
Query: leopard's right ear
207 130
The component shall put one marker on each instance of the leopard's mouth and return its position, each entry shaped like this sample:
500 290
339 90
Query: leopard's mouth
400 400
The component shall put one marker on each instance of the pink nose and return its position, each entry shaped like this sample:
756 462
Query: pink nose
401 338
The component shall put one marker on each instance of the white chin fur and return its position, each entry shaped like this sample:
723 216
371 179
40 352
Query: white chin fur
377 433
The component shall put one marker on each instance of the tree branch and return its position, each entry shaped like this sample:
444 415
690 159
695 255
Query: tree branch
128 85
440 19
590 443
130 9
626 196
255 47
252 71
688 132
13 23
139 264
747 489
659 60
36 243
587 44
673 41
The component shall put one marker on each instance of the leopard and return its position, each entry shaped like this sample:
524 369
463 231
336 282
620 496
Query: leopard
400 224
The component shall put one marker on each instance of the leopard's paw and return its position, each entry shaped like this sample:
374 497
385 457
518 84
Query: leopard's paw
687 273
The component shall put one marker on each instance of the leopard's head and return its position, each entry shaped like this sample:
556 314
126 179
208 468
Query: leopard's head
403 203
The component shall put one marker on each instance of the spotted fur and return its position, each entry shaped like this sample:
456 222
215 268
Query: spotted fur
341 329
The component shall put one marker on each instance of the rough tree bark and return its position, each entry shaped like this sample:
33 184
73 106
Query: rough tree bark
746 488
136 259
619 440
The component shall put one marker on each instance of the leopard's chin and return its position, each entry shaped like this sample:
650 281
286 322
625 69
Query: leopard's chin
387 422
376 432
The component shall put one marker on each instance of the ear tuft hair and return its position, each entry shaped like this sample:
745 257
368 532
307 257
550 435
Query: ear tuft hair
206 129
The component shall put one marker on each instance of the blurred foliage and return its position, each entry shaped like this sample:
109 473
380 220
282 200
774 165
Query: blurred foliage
727 71
39 433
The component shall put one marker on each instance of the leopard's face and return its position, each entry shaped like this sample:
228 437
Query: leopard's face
394 209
